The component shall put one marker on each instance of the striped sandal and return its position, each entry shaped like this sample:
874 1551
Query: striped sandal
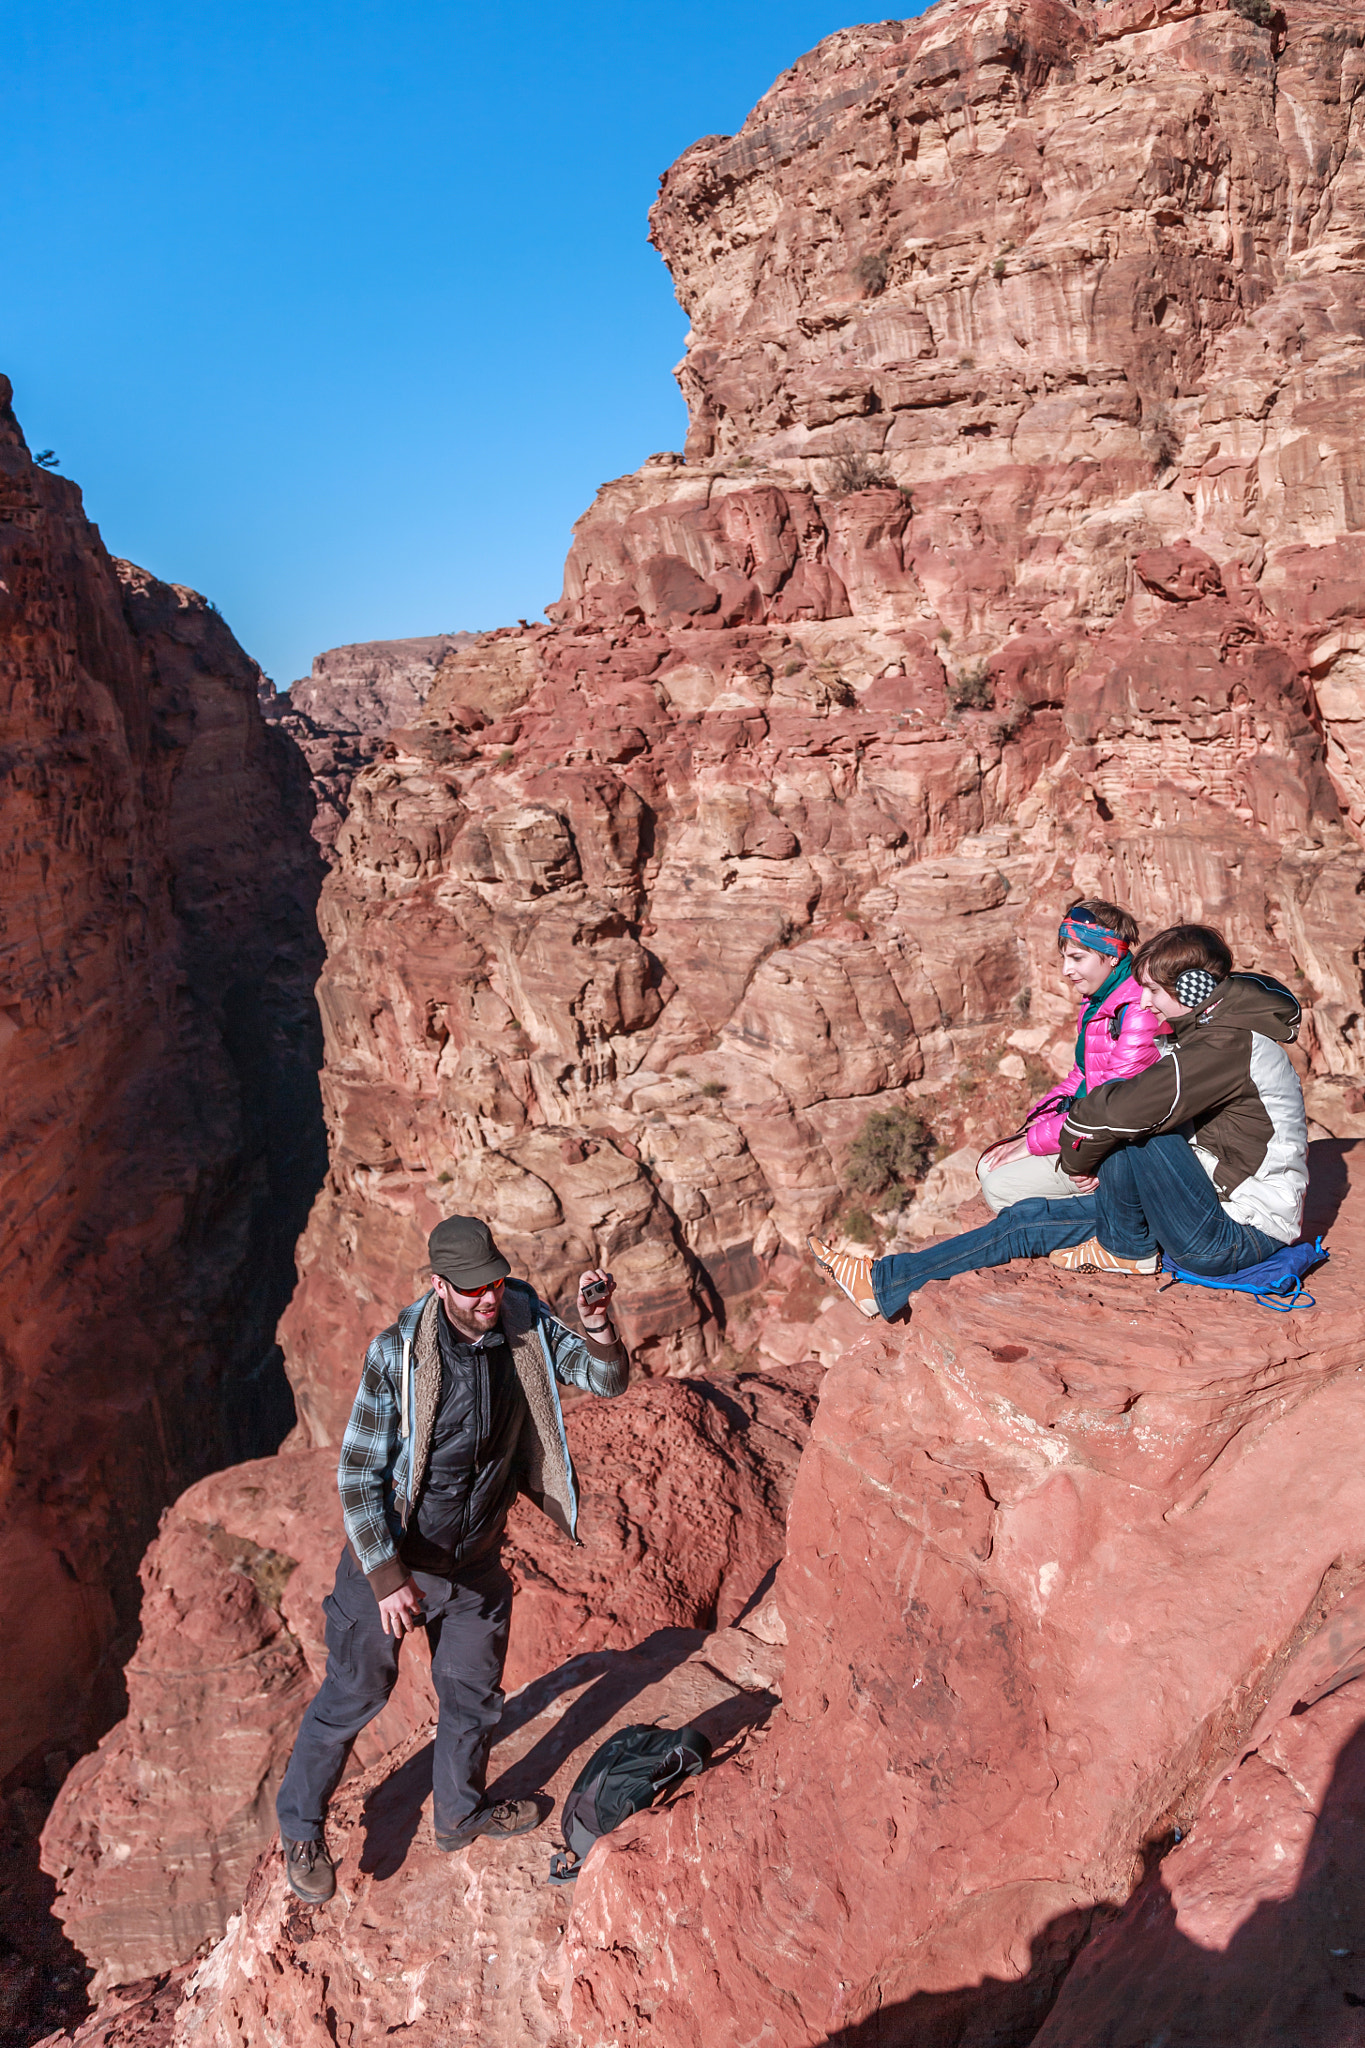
851 1274
1091 1257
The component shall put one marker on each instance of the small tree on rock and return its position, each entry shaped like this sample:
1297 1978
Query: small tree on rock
889 1154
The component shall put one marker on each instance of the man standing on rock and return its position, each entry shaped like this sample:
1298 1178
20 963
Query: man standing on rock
457 1412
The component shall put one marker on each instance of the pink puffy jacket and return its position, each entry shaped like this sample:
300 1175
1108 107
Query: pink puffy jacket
1107 1058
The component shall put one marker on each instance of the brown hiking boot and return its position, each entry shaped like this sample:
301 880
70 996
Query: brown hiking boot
311 1872
1091 1257
851 1274
507 1817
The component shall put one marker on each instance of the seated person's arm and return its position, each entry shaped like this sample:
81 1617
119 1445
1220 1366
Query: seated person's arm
1196 1077
1043 1124
1138 1044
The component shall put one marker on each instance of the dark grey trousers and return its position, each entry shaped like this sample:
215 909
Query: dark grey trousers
466 1629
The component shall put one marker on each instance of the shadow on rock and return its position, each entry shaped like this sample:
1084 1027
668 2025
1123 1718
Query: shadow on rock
725 1724
623 1674
1291 1976
1328 1183
392 1813
995 2013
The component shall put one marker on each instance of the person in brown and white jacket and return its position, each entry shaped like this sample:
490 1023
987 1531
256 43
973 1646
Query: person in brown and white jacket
1204 1156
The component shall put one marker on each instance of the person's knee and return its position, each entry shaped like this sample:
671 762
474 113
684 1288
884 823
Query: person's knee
470 1705
336 1716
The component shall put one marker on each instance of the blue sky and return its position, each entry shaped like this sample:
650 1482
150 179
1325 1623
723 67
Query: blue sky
340 311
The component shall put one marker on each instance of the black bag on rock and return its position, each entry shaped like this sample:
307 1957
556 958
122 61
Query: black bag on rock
633 1768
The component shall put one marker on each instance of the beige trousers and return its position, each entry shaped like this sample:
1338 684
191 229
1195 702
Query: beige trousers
1040 1174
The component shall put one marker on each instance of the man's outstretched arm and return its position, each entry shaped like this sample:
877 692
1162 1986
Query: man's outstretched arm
597 1362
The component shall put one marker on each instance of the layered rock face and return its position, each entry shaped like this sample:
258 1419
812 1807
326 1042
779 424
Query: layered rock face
161 1129
153 1837
630 929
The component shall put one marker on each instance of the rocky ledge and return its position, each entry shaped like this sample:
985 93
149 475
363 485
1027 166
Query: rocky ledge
1055 1707
154 1835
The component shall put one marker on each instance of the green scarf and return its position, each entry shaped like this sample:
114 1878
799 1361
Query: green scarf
1117 974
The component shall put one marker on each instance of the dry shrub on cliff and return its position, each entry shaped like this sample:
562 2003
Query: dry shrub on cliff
971 688
889 1154
858 1225
852 471
1262 12
871 272
1162 441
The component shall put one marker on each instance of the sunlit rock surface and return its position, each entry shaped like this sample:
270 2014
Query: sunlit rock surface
1017 553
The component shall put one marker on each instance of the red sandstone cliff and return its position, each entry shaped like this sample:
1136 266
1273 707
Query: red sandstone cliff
158 1121
1018 551
631 927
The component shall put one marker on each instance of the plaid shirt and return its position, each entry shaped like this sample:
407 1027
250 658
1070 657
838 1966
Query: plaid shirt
374 1475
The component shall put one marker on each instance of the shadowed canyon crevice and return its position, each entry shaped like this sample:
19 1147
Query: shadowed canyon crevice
1018 552
162 1135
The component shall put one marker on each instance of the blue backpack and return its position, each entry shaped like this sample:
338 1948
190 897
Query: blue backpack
1276 1283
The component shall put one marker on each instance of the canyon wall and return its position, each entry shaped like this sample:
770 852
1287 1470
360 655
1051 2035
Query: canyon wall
159 1124
1018 551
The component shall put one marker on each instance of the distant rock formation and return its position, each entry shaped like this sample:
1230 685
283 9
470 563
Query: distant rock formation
373 684
159 1118
339 714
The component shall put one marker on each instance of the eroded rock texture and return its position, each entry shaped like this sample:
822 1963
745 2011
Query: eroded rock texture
153 1837
630 927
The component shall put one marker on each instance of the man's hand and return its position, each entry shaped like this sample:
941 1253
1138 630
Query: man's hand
402 1610
1004 1154
594 1315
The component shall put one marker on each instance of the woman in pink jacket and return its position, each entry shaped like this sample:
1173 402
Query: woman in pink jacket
1115 1038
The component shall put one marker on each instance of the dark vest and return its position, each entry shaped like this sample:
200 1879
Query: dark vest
471 1478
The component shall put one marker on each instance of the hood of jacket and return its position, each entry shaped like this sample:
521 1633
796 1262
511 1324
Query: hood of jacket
1246 1002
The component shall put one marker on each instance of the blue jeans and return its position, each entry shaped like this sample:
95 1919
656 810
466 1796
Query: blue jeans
1155 1196
1158 1178
1026 1230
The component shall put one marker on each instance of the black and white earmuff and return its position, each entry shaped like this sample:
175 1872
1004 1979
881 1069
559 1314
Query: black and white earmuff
1195 986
